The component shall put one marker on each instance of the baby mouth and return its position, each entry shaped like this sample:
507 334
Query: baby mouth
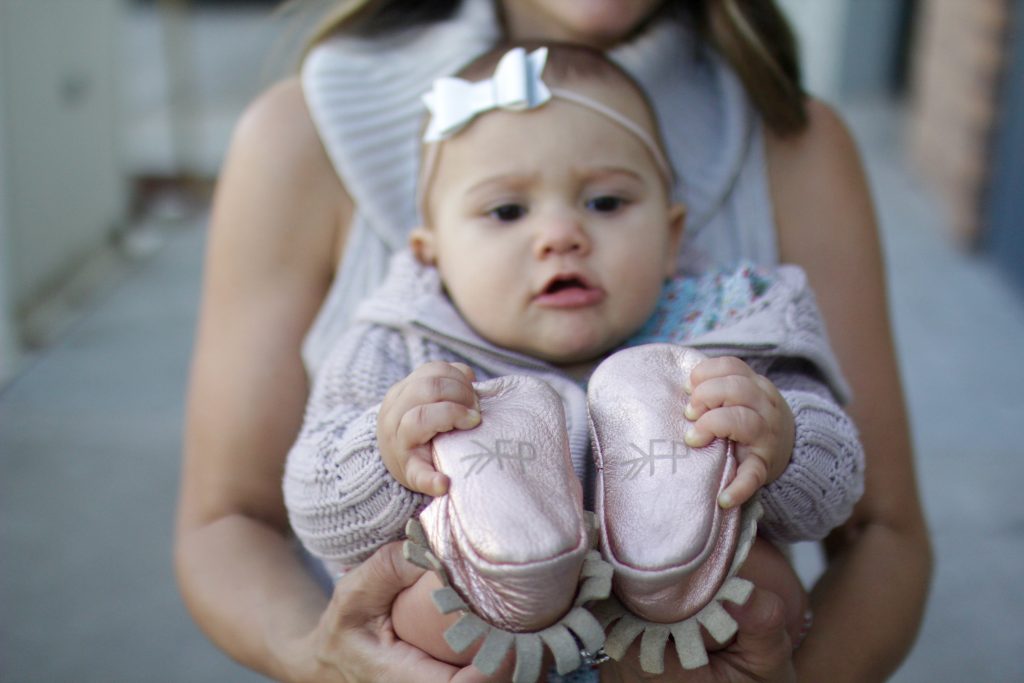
569 292
562 284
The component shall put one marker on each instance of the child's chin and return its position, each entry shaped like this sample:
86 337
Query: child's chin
569 346
575 353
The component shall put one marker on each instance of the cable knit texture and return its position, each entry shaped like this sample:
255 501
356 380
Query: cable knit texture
343 503
825 477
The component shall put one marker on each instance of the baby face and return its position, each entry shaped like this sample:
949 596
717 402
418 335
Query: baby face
552 229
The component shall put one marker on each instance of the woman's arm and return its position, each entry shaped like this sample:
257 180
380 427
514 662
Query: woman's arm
276 234
276 222
869 603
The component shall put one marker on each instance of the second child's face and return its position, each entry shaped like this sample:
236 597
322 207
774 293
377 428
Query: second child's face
552 229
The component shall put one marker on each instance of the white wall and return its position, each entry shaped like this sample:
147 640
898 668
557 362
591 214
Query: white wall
848 47
8 350
64 189
820 29
191 75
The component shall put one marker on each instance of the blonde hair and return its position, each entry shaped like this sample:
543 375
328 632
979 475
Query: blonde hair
752 35
758 42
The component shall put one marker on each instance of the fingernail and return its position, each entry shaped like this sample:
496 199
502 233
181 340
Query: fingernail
725 500
805 628
472 418
687 385
691 437
690 412
440 485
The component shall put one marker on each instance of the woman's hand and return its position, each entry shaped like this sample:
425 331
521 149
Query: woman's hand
355 641
760 653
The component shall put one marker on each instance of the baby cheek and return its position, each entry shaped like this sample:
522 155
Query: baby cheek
647 290
486 279
480 293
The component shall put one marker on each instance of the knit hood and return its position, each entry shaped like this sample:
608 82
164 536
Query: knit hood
779 318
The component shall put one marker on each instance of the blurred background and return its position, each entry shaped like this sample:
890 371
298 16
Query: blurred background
114 118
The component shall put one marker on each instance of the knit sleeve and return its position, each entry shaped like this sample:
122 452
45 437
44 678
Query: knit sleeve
342 502
825 476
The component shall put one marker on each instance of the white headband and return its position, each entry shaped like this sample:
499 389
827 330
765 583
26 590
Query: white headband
515 86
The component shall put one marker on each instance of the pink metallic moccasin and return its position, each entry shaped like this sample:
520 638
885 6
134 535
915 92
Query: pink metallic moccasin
510 539
673 549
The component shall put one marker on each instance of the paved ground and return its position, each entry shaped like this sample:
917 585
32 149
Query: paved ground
90 436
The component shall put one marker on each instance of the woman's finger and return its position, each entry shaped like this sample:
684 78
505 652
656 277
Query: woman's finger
762 645
356 634
367 591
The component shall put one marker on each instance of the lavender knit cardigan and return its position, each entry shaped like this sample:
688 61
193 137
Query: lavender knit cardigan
343 504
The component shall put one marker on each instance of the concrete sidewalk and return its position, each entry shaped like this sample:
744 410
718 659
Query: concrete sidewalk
90 441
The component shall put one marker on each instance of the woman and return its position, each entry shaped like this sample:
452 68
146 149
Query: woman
284 221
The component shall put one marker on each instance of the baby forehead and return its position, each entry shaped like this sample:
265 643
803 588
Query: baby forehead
559 127
540 159
620 95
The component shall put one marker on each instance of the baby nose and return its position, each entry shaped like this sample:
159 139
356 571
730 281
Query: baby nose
561 235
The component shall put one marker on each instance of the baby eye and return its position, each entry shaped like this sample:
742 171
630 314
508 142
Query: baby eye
507 213
605 203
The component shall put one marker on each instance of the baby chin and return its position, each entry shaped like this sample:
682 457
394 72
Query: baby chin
575 346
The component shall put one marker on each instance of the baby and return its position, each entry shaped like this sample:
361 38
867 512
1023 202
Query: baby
550 238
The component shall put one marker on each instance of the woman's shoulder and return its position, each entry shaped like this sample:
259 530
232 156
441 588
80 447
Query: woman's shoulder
277 182
278 127
825 144
277 146
823 207
824 152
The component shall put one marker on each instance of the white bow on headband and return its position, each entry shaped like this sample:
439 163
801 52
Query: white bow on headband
516 85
